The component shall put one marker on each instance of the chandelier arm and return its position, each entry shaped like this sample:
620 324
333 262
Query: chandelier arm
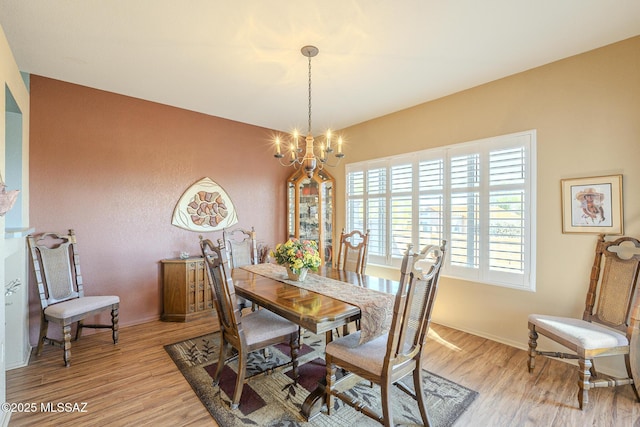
327 162
289 162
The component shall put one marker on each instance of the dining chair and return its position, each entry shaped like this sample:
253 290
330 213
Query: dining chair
610 322
242 249
352 254
251 332
56 265
387 359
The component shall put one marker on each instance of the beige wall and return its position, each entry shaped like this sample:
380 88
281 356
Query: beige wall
113 168
586 110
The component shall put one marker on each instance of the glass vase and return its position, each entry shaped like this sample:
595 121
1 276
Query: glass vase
299 277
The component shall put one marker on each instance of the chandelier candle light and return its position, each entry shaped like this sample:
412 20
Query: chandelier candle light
309 161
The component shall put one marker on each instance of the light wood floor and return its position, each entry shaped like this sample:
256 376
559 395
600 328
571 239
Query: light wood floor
136 383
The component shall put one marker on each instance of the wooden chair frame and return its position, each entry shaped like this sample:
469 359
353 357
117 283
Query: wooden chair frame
404 343
612 302
235 330
242 249
347 246
61 290
241 246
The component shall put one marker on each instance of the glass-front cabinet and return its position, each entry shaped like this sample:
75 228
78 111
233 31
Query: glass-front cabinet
310 209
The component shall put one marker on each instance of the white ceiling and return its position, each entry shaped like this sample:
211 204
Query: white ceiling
241 60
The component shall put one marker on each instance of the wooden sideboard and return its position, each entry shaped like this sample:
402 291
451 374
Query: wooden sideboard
187 294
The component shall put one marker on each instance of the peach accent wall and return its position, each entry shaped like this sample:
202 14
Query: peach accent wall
113 167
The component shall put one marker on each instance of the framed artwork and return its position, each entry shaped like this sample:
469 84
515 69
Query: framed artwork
592 205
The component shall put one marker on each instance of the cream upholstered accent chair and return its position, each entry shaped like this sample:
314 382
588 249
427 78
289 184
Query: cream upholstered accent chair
248 333
242 249
609 324
388 358
56 265
352 255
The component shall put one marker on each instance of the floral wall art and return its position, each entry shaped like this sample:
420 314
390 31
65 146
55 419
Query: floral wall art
204 206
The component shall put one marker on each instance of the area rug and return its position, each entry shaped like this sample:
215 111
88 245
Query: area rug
271 398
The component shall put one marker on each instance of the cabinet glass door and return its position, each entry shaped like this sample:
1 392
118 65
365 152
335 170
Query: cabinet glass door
310 212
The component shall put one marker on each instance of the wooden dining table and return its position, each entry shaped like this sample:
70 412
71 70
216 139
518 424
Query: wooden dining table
311 310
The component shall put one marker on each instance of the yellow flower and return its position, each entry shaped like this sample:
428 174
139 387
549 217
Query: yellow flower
298 254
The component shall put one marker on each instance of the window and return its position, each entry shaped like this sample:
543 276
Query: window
478 196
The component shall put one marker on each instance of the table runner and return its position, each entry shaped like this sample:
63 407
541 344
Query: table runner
376 308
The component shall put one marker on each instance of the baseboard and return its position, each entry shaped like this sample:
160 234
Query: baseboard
4 418
481 334
605 366
21 363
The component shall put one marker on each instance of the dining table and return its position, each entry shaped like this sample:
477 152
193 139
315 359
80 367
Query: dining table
318 304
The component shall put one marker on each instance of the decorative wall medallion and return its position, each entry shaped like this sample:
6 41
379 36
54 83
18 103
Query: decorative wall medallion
204 206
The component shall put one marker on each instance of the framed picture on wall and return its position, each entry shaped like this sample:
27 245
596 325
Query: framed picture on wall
592 205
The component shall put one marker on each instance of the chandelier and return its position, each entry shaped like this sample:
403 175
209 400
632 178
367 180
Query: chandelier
310 160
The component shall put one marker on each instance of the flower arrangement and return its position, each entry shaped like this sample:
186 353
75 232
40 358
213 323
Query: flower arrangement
298 254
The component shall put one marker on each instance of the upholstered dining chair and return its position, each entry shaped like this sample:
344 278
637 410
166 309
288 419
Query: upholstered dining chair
610 321
248 333
388 358
242 249
56 265
352 255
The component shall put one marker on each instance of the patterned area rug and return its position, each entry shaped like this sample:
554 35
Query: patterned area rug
272 398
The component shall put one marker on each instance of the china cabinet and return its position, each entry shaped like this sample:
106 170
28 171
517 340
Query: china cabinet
310 209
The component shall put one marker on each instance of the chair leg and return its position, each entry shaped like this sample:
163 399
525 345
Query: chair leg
585 374
114 323
242 372
330 380
224 349
631 363
417 386
294 344
533 343
79 326
66 332
44 326
592 370
385 396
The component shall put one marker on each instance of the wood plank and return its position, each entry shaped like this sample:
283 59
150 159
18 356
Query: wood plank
135 382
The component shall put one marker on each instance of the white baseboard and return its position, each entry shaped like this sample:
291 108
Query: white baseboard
481 334
4 418
21 363
605 366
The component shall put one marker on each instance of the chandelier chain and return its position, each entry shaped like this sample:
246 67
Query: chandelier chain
309 96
